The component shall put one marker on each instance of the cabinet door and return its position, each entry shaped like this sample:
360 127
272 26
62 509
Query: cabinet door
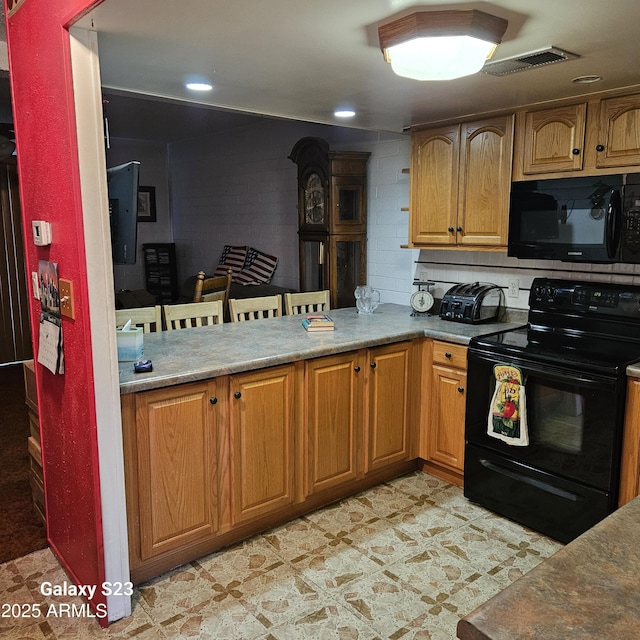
262 442
619 129
333 420
554 139
445 444
485 181
176 466
435 156
388 438
347 267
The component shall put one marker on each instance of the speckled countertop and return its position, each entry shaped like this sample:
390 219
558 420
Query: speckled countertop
197 354
587 590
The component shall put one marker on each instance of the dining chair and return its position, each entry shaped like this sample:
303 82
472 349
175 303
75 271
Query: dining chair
149 318
255 308
193 314
307 302
212 287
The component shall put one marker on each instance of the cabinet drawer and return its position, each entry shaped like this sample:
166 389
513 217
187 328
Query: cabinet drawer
452 355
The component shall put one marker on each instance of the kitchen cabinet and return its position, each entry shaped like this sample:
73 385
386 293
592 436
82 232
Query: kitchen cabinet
460 184
442 442
591 137
171 468
360 408
392 388
630 464
262 442
333 420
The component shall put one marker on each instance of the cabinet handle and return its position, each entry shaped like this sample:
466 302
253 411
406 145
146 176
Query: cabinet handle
576 152
373 365
213 400
447 354
356 369
460 389
599 147
237 395
450 229
458 229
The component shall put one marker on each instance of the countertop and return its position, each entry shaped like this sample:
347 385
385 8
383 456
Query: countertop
589 589
189 355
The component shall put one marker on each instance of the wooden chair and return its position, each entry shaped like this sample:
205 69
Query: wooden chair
255 308
149 318
212 288
193 314
303 303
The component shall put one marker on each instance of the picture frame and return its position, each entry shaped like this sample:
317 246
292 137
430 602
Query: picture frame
146 204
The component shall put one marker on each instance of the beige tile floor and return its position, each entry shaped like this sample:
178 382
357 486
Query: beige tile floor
405 559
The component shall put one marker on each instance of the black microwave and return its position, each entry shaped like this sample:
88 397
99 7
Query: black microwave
593 219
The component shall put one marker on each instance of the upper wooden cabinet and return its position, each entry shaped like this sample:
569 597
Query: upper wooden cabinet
585 138
460 184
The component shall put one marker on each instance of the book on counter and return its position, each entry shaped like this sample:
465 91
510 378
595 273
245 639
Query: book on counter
318 322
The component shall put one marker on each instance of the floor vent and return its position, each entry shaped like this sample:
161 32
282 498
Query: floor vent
528 61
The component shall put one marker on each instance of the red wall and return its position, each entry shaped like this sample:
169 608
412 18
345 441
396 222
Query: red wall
50 190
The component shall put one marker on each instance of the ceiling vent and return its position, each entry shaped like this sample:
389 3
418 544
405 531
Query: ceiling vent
541 58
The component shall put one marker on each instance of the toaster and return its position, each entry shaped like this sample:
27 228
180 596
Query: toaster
472 303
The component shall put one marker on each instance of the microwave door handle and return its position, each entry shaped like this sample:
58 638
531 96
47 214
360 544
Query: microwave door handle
613 224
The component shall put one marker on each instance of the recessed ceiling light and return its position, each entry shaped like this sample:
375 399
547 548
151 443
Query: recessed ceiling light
344 113
199 86
587 79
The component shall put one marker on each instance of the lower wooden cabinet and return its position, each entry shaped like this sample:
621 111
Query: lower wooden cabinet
333 420
630 467
442 433
209 463
262 442
173 466
394 388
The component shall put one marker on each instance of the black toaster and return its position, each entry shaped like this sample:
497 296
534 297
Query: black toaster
472 303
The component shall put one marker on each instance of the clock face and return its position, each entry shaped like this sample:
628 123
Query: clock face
314 209
421 301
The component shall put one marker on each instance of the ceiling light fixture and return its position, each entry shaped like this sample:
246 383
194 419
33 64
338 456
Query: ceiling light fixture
199 86
344 113
440 45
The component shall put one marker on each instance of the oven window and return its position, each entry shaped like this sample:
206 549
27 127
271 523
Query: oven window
558 416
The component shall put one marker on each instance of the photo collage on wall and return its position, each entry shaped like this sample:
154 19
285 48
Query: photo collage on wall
50 350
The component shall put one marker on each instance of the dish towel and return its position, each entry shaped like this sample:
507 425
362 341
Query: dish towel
508 411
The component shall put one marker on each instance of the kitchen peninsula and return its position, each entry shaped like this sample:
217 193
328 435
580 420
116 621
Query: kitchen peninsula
243 426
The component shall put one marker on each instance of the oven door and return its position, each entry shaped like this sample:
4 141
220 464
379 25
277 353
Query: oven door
566 479
574 419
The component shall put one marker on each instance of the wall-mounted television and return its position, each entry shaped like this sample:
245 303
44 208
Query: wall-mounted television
122 183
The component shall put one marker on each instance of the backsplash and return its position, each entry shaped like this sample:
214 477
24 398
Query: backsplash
447 268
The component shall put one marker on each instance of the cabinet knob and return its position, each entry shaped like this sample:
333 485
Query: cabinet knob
460 389
447 354
213 400
576 152
373 365
356 368
458 229
237 395
450 229
599 147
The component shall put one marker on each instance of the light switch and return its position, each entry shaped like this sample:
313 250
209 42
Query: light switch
66 299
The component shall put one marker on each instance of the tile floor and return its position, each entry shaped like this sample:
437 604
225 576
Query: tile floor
405 559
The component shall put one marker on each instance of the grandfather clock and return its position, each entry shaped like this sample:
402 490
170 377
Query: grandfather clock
332 219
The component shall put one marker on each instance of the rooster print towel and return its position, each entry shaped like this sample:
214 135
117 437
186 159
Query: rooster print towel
508 413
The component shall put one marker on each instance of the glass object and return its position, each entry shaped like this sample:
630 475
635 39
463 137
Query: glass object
367 298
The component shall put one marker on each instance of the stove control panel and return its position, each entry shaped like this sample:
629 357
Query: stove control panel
612 300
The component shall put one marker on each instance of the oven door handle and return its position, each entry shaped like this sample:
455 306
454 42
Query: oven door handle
538 484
